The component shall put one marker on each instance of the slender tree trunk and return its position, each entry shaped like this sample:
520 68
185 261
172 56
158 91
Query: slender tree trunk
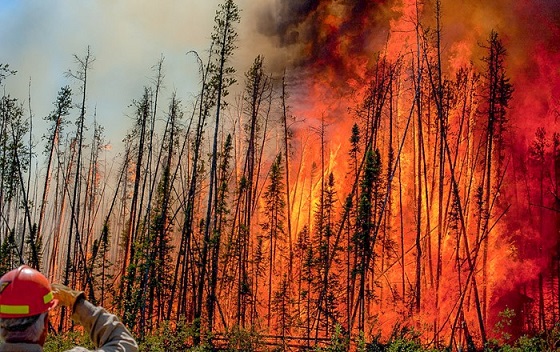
225 31
287 170
75 208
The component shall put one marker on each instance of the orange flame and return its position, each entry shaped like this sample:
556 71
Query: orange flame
340 45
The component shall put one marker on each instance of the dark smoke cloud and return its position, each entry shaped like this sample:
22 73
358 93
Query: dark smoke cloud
281 18
322 32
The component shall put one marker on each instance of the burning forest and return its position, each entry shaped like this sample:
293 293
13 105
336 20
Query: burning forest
390 169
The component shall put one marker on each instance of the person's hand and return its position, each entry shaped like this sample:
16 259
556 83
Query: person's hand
66 296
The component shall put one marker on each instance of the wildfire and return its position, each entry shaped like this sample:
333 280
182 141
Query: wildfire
403 181
375 63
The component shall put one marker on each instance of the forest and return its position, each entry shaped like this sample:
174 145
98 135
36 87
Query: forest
371 191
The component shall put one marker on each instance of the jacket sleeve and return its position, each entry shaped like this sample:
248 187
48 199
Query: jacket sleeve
107 333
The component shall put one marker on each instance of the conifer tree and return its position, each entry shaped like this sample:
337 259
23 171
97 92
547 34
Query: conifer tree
274 226
498 92
13 192
281 307
221 78
62 108
75 251
138 138
216 241
364 238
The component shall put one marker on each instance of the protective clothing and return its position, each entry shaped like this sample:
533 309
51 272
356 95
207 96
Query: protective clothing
66 296
25 292
107 333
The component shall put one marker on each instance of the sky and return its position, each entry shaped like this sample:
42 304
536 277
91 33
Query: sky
39 39
127 38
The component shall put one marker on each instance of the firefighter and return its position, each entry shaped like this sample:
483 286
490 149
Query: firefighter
26 298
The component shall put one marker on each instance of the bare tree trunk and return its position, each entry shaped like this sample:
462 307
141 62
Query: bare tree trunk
81 75
418 171
287 170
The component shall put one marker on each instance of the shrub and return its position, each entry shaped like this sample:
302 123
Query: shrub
169 337
67 341
239 339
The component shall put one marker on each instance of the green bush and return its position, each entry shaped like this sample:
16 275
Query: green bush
179 337
339 341
239 339
66 341
403 345
169 337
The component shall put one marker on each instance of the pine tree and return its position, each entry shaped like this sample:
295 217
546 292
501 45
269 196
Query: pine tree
274 212
498 92
13 128
62 108
75 250
365 236
222 49
138 138
216 241
281 307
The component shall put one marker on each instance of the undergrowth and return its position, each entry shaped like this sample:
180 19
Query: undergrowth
179 337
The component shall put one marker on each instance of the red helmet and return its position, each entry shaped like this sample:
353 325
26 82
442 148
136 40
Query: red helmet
25 292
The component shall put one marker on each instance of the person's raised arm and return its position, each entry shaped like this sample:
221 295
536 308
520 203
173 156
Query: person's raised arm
107 332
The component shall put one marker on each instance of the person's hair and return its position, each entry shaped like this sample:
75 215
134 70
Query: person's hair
27 329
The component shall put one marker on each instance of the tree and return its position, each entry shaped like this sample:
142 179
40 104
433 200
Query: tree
538 158
74 236
364 238
13 192
223 46
497 94
274 226
281 304
256 105
327 280
139 133
63 104
216 240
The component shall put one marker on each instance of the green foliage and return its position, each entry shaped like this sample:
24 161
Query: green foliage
9 258
500 329
408 342
12 161
5 72
57 118
339 341
403 339
34 251
169 337
275 202
404 345
361 343
240 339
281 307
546 341
224 36
66 341
100 265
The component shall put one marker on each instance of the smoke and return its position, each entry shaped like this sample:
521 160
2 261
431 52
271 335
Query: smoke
325 33
127 38
331 47
281 17
322 35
